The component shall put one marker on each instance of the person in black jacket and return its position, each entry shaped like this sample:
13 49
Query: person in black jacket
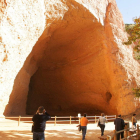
119 125
39 123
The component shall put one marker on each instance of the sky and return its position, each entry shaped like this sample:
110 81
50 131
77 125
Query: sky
129 9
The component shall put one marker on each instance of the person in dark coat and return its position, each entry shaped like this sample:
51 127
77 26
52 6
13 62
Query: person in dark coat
119 125
39 123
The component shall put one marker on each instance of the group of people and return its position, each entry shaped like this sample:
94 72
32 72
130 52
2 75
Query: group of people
101 123
41 116
118 122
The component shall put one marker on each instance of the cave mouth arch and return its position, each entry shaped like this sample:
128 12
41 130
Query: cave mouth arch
66 71
71 76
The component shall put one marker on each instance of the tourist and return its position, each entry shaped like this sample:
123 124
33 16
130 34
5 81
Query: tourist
84 122
119 125
39 123
102 121
134 120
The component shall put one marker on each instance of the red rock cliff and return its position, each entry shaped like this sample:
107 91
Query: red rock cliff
67 56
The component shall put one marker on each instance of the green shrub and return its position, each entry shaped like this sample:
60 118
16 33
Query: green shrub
136 92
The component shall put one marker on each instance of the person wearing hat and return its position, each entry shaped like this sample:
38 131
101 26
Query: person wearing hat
119 125
39 123
134 120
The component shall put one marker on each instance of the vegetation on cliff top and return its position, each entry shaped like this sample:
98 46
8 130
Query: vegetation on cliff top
134 37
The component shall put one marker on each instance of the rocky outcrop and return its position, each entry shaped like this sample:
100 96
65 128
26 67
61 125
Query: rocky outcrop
66 55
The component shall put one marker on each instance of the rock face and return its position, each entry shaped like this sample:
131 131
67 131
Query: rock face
66 55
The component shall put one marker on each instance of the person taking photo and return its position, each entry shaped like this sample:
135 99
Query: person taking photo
39 123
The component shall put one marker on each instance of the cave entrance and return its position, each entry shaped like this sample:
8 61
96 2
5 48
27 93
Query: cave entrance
71 75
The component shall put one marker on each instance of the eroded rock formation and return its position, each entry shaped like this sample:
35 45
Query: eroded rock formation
66 55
